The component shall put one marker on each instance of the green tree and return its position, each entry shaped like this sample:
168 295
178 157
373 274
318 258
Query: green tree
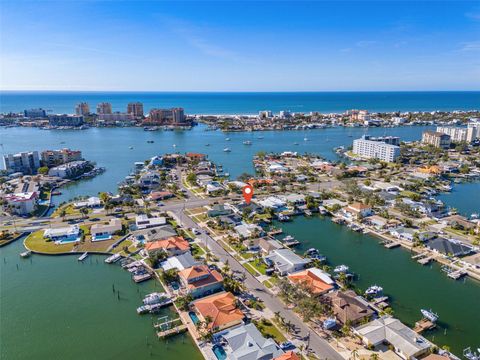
43 170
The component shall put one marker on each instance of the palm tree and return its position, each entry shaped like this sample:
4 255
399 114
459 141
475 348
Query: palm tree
63 213
84 212
374 356
354 354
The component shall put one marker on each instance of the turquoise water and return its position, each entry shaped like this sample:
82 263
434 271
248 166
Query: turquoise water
194 317
56 307
219 352
409 285
110 147
247 103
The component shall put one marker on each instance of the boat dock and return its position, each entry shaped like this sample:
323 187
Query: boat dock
424 325
423 258
381 302
274 232
141 277
390 244
457 274
170 327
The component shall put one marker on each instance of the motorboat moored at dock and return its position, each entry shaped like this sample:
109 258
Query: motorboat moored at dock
429 314
83 256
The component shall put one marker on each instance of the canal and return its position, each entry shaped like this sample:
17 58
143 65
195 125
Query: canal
55 307
409 285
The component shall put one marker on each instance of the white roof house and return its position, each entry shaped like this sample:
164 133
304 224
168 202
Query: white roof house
142 221
286 261
406 342
276 167
247 230
113 226
271 202
245 342
179 262
92 201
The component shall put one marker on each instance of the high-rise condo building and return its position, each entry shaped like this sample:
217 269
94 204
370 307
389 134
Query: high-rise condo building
35 113
135 109
436 139
174 116
25 162
82 109
381 148
104 108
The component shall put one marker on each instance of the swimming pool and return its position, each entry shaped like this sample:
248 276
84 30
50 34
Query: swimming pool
194 317
219 352
101 237
175 285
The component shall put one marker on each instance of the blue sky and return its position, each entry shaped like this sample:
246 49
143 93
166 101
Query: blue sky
239 46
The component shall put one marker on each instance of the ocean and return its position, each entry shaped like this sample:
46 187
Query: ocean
246 102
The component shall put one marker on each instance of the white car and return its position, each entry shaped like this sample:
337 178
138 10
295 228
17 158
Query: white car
195 231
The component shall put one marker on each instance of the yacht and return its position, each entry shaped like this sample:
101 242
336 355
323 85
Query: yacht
341 269
154 298
471 355
83 256
260 137
207 144
305 139
429 314
150 141
174 145
131 147
247 142
295 143
227 149
374 290
227 139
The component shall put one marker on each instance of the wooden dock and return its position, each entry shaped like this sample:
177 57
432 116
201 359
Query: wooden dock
391 244
170 328
457 274
172 331
425 260
423 325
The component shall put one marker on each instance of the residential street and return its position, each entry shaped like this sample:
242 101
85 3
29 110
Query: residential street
317 344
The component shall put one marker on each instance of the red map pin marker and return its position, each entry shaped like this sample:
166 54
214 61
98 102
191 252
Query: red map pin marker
247 193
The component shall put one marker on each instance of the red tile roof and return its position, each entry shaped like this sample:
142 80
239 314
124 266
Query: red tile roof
171 243
220 308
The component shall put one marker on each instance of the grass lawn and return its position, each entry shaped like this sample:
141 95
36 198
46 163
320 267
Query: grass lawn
250 269
197 250
259 265
69 210
269 330
36 242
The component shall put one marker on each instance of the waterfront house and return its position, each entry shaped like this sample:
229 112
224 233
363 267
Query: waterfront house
63 234
149 180
199 280
142 221
403 233
22 203
230 220
91 202
179 262
71 169
272 202
357 211
294 199
246 230
245 342
191 156
405 342
174 245
458 222
315 280
221 309
348 307
377 221
105 231
285 261
448 247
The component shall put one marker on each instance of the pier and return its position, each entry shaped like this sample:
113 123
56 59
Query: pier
424 325
170 327
457 274
390 244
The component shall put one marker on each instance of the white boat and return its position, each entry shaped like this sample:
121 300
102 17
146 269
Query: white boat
227 150
471 355
131 147
155 298
227 139
113 259
174 145
341 269
429 314
260 137
295 143
305 139
83 256
374 290
474 216
26 254
247 142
